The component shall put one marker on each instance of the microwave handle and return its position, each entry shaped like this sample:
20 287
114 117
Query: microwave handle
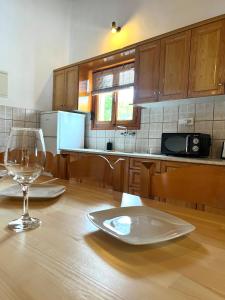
187 142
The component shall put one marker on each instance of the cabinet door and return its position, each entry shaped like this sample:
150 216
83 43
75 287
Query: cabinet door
207 60
147 73
58 89
174 66
71 88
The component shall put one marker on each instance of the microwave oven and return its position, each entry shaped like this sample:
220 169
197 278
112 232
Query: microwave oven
186 144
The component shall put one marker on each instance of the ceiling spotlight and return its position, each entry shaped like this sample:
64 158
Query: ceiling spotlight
115 28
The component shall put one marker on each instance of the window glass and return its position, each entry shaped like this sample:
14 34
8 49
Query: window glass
126 77
105 102
103 81
124 109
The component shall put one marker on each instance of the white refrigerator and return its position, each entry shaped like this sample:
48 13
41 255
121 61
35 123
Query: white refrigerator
62 130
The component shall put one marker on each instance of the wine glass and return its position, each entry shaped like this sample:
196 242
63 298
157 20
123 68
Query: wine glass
25 159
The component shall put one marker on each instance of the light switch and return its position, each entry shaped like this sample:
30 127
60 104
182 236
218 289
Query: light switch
3 84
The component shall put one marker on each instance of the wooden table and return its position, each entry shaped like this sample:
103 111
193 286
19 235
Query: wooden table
68 258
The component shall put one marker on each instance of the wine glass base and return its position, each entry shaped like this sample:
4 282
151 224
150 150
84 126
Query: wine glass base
24 224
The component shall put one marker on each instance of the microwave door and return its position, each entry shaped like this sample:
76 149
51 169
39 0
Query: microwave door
176 144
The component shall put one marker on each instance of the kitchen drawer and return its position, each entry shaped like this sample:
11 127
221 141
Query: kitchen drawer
135 163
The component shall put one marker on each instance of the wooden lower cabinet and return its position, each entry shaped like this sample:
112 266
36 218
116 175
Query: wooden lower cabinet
135 173
170 166
73 156
132 174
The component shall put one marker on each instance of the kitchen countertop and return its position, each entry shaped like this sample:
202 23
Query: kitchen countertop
207 161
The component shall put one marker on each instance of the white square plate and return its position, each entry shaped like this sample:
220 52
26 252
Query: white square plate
35 191
140 225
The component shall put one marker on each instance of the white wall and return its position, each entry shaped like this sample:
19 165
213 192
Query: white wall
34 39
141 19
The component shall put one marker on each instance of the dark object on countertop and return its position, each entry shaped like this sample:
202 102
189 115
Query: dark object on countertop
109 146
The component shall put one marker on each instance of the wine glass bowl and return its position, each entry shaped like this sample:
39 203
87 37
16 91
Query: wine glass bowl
24 160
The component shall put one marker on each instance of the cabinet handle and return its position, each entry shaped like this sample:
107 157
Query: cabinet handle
159 92
220 84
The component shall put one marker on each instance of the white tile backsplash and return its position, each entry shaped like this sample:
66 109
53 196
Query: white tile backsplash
156 114
155 130
91 143
3 138
30 125
208 114
170 113
204 111
145 115
219 110
30 116
187 110
219 130
8 112
101 143
204 127
18 123
170 127
2 111
100 133
110 134
19 114
129 143
154 146
143 132
119 144
186 128
8 126
217 148
142 145
17 117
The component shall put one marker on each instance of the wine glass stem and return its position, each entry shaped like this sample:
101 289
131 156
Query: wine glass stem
25 189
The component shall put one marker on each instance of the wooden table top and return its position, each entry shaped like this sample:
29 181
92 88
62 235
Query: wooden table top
68 258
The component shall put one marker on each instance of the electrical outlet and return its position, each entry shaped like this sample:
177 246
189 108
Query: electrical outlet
186 121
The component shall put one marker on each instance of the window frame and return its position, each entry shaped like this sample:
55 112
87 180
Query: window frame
112 125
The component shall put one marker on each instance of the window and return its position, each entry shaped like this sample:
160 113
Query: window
113 94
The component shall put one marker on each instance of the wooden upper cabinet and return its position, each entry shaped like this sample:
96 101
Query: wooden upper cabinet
147 73
71 88
207 60
65 89
58 89
174 66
